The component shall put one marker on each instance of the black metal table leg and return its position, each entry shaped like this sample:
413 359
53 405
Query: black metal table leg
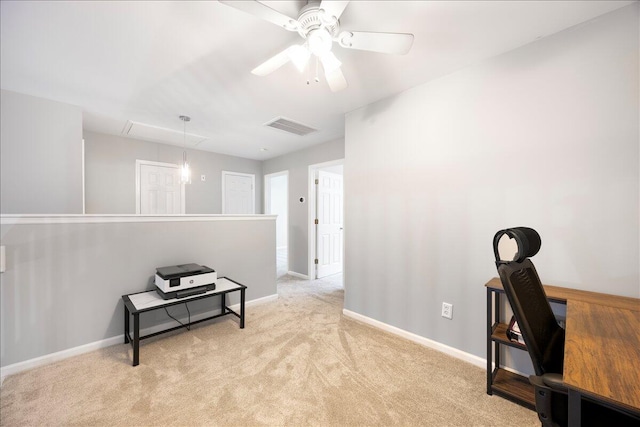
136 339
223 303
126 324
497 316
242 308
489 342
575 408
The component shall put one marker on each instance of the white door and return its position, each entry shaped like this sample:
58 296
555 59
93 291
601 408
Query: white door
238 193
160 189
330 223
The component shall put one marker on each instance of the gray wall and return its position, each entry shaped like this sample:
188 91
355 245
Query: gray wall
64 282
40 155
544 136
297 163
110 174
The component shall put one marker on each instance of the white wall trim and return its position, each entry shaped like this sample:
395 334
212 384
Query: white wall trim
300 275
311 194
257 301
140 163
267 204
253 188
84 193
267 189
15 368
506 368
47 359
443 348
92 219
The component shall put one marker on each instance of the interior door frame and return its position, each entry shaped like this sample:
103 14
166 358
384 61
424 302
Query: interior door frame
139 164
267 193
311 216
267 204
253 189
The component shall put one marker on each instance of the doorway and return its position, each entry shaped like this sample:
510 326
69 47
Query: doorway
276 197
158 188
326 219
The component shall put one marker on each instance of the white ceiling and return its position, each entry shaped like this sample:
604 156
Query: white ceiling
149 62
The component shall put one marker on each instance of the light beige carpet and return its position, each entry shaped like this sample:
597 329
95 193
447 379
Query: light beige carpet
298 362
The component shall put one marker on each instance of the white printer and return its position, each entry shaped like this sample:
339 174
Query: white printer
180 281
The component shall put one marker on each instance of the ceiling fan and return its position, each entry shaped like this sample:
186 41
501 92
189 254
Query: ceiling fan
318 23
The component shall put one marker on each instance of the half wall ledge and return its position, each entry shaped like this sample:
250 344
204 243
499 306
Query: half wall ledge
13 219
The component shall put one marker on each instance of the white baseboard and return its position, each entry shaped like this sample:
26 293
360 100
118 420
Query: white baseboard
506 368
253 302
15 368
5 371
451 351
301 276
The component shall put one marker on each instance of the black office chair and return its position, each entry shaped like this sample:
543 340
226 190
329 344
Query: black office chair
542 335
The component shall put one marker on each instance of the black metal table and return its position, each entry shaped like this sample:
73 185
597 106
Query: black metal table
141 302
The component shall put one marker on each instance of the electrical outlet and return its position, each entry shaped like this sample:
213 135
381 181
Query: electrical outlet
447 310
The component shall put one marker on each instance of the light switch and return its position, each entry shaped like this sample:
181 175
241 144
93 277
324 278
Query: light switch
203 178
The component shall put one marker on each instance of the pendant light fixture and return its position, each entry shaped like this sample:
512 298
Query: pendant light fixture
185 173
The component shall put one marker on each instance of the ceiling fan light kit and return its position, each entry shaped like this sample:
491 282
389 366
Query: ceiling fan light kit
299 55
318 24
320 41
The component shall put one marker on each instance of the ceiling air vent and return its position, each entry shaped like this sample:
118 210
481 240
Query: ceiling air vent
290 126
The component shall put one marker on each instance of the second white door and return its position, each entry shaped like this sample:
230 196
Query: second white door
160 189
329 238
238 193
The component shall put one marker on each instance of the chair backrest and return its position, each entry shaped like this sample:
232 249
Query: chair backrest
542 335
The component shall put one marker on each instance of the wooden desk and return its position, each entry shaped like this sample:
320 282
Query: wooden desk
518 388
562 295
602 356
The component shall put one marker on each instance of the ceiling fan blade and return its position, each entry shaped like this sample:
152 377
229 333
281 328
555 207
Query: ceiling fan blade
334 7
329 62
272 64
263 11
395 43
336 80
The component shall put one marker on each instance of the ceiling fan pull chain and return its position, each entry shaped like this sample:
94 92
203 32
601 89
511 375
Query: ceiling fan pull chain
317 79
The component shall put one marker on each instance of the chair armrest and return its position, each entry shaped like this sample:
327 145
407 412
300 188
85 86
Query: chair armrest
552 381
